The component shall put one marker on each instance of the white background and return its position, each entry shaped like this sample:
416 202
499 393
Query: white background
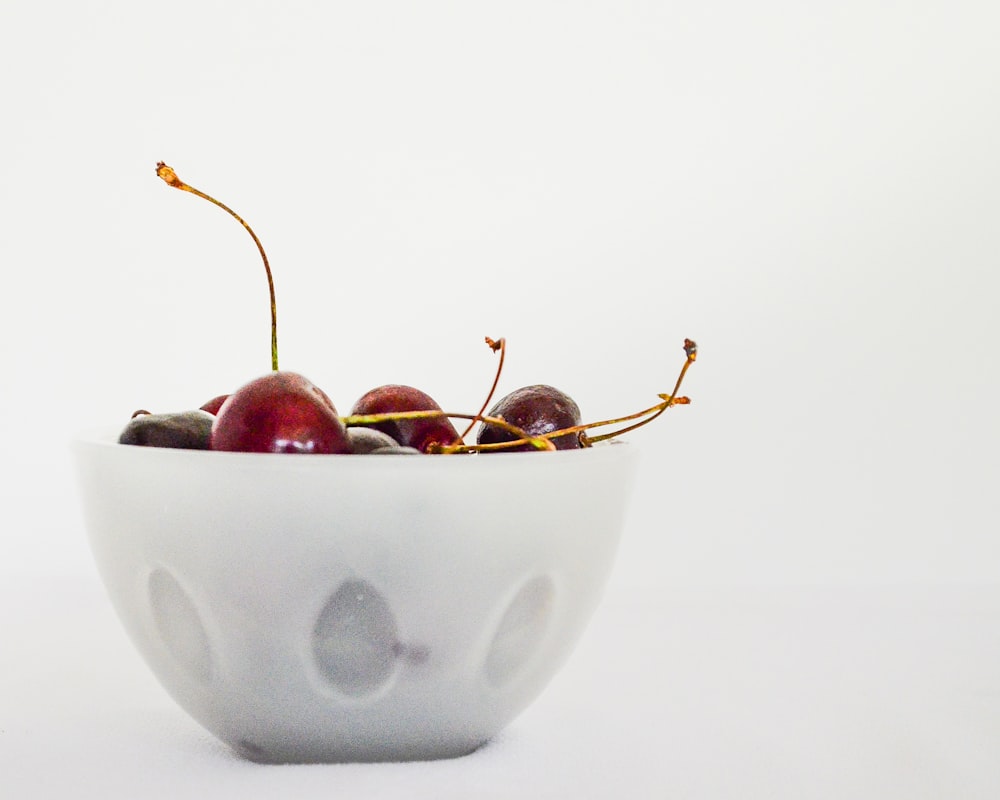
808 190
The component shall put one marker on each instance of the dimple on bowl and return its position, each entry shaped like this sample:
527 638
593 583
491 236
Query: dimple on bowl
353 608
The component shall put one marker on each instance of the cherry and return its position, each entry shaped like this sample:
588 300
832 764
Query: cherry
367 440
281 412
188 430
423 433
397 450
213 405
538 410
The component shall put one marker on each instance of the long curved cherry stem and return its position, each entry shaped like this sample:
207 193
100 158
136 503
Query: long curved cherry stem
170 177
651 413
538 442
542 441
501 345
691 351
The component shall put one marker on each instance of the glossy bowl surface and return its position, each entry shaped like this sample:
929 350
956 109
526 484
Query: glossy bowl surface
308 608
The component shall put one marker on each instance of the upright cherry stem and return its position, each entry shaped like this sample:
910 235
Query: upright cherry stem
494 345
170 177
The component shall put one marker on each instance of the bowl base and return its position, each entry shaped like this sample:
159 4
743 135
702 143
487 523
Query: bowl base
260 755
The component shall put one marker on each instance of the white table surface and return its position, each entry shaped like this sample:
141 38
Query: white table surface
674 692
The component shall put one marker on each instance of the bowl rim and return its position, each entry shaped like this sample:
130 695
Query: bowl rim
105 438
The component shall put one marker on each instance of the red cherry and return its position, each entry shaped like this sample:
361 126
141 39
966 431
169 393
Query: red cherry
537 410
213 405
422 433
281 412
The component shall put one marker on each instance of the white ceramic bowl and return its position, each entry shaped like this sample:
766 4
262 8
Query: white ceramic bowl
311 608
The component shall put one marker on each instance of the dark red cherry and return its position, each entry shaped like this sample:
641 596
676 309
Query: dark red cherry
396 450
365 440
422 434
537 410
281 412
213 405
188 430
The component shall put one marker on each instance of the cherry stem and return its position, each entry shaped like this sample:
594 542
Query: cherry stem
501 345
170 177
539 442
691 351
654 412
651 413
543 441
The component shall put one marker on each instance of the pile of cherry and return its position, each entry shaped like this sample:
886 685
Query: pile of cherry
283 412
